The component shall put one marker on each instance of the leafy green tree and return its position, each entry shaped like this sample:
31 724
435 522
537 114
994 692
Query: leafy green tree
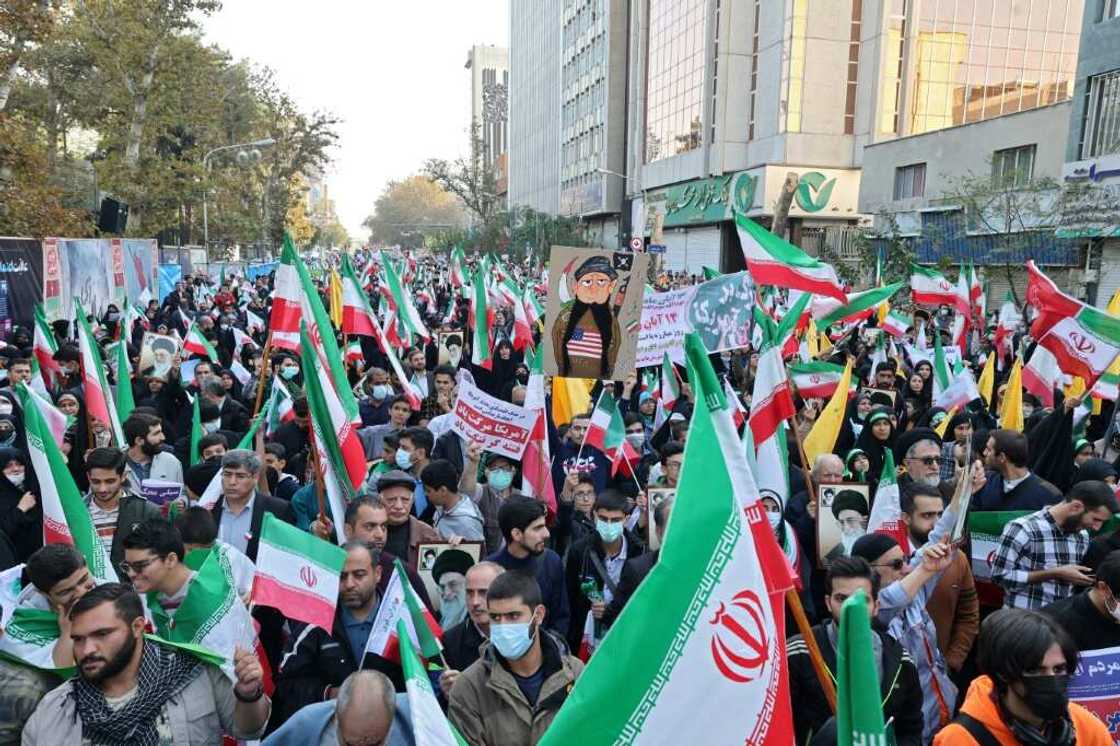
410 210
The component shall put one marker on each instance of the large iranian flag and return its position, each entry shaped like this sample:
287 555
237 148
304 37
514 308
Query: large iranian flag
286 299
827 311
771 260
929 287
1085 340
65 517
1041 375
341 455
816 379
297 573
211 614
702 641
771 400
95 386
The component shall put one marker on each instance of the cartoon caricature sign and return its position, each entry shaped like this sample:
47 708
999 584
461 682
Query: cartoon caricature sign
594 312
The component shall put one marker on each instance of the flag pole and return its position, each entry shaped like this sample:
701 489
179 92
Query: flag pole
318 473
265 370
794 601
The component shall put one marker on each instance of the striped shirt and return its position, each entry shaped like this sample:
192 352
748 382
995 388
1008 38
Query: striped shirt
104 523
585 343
1030 543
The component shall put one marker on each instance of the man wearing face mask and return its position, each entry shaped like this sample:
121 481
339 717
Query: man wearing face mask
145 455
69 359
462 643
597 560
1026 659
511 694
373 405
232 415
500 471
1093 618
287 367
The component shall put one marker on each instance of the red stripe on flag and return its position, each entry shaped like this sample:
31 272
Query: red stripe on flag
785 276
770 412
296 603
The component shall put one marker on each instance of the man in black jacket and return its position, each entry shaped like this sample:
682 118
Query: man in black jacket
597 560
1010 483
241 508
316 662
900 690
461 643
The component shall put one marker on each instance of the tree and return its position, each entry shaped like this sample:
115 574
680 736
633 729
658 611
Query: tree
330 234
474 182
412 207
22 24
296 220
539 231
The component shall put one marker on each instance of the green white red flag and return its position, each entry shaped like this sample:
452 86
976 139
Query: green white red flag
125 401
536 462
896 323
198 344
928 287
771 260
1084 340
522 330
816 379
297 573
886 509
430 726
400 604
95 387
607 432
481 318
66 519
702 640
279 408
827 311
396 293
43 348
457 263
287 298
771 400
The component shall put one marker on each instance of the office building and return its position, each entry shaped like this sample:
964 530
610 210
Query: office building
489 66
534 105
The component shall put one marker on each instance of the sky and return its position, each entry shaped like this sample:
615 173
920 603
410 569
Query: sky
393 71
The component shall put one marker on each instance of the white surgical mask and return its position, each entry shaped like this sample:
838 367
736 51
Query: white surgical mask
16 478
775 519
211 426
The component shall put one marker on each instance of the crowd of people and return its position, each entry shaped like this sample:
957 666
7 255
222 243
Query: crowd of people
529 586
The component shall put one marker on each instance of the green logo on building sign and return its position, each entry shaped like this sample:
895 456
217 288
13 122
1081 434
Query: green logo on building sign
814 191
743 194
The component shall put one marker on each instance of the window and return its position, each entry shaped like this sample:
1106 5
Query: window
910 181
853 67
1110 9
1101 130
1013 166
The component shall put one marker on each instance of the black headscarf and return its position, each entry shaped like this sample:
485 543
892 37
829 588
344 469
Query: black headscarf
875 449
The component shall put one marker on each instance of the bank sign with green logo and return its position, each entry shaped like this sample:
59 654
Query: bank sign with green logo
718 198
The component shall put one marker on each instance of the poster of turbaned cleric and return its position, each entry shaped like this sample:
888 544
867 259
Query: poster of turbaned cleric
594 312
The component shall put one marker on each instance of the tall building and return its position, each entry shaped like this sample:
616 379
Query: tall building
1093 149
489 66
534 104
593 69
728 99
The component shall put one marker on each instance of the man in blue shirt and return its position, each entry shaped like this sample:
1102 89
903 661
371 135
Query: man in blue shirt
522 521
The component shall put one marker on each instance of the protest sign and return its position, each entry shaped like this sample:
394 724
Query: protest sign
1095 685
21 281
718 310
160 491
497 425
594 312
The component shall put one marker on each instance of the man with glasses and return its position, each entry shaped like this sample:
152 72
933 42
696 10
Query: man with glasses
154 565
241 508
919 452
907 583
113 508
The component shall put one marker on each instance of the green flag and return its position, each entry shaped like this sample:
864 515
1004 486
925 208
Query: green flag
859 714
196 432
429 645
125 402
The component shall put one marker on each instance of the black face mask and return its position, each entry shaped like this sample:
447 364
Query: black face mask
1046 696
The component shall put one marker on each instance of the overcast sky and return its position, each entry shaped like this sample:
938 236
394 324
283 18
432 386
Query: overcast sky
392 70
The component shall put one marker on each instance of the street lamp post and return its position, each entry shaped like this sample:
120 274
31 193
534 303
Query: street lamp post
206 187
625 187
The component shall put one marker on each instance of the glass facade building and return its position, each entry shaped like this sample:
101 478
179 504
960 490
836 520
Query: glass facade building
675 77
584 71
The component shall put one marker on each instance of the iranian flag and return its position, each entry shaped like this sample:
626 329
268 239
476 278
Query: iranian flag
341 454
1041 375
702 640
816 380
669 387
400 604
858 306
65 517
929 287
896 323
607 432
771 260
536 462
886 509
125 401
1009 321
942 376
457 264
430 726
254 323
1084 340
287 297
53 417
297 573
1108 385
357 315
522 330
95 387
534 311
211 614
198 344
396 293
963 300
480 319
771 400
279 407
738 411
961 390
44 347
